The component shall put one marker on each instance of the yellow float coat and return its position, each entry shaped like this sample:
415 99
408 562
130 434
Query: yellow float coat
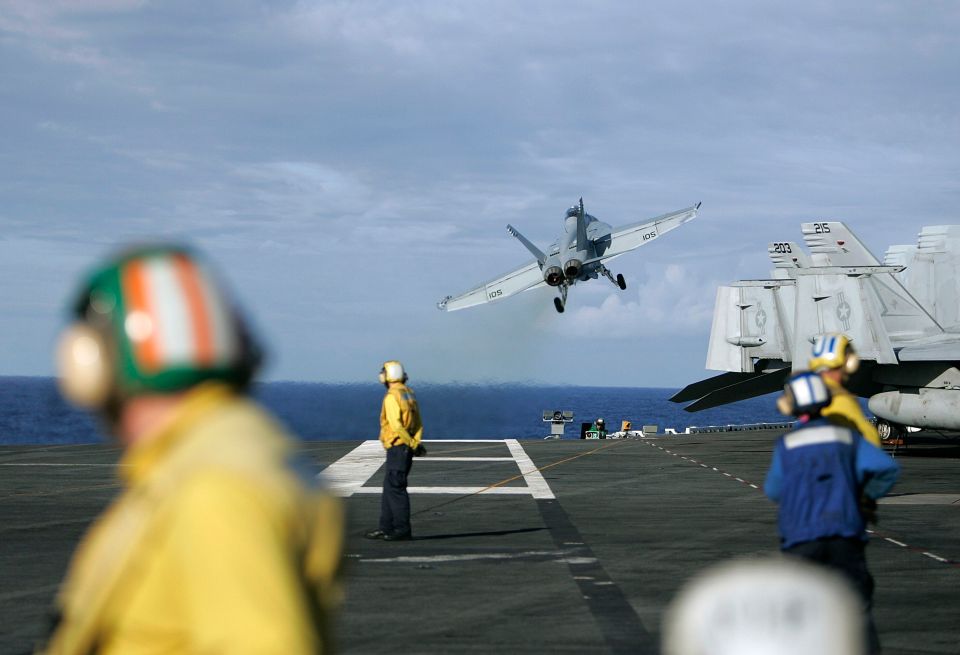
844 410
400 417
218 544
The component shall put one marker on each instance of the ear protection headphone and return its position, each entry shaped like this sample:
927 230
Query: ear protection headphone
852 363
785 403
392 371
84 365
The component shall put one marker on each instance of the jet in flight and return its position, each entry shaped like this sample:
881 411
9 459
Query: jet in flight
579 254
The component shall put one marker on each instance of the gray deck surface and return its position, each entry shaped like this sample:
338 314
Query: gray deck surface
588 572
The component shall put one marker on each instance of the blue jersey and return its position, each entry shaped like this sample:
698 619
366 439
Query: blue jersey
818 473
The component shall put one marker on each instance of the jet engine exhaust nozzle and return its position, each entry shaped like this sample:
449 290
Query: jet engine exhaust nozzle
572 267
553 276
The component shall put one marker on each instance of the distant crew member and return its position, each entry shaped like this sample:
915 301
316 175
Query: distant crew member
600 427
400 434
826 477
220 541
835 359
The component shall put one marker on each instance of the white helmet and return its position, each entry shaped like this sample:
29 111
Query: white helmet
392 371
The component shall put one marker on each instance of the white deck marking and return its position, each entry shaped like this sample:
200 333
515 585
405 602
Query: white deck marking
538 486
349 474
463 491
431 458
467 557
56 464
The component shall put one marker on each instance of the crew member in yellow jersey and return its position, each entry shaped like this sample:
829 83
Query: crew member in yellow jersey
400 434
835 359
220 541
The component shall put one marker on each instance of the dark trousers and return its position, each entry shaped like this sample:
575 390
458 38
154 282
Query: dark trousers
845 555
394 501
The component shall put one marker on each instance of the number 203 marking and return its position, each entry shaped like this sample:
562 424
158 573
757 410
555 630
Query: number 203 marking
782 248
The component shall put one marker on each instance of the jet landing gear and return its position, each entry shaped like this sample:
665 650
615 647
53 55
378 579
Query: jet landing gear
891 434
619 281
561 302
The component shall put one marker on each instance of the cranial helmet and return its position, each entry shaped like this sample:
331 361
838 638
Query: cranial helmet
804 393
152 320
833 351
600 421
392 371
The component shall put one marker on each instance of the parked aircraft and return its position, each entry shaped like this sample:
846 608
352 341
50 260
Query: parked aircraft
579 254
902 315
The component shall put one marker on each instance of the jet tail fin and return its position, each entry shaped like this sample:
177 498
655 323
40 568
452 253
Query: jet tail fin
581 228
838 243
787 254
541 257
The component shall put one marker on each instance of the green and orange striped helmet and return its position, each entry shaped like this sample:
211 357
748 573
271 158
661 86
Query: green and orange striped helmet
168 323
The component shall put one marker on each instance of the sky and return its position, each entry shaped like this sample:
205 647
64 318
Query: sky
345 165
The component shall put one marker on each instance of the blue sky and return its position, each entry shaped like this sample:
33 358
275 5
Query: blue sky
347 164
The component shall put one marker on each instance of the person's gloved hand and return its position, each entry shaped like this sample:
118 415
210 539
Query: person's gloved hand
420 450
868 508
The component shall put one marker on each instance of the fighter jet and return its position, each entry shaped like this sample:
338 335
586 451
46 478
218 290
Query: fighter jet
579 254
902 315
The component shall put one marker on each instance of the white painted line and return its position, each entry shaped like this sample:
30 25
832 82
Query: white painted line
583 577
605 583
55 464
729 475
936 557
739 479
431 458
349 473
490 441
463 491
895 542
754 486
439 559
538 486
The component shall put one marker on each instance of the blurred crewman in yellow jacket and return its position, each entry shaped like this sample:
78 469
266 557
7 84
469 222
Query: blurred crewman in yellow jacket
835 359
221 541
400 434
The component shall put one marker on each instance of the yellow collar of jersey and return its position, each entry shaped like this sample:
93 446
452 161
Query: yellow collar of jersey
143 457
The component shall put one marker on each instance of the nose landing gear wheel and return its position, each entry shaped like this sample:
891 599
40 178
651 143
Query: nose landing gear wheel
558 305
621 282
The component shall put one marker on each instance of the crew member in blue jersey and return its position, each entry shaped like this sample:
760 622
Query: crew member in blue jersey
826 478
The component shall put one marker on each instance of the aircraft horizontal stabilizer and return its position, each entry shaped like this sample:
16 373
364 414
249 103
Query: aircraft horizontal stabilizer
750 386
696 390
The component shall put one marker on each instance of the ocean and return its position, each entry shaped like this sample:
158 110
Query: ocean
32 411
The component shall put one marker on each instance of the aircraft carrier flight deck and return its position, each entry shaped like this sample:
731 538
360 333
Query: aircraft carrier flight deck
528 546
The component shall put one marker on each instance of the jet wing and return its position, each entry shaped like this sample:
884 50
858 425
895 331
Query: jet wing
939 348
528 276
632 236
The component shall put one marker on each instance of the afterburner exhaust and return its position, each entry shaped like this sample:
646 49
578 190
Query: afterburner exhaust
572 268
553 276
